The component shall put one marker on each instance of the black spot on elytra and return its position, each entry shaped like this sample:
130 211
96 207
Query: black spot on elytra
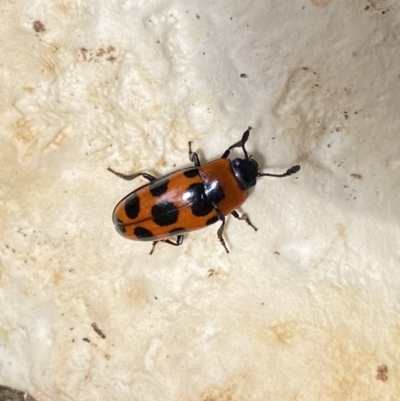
201 206
213 220
120 228
191 173
164 213
160 187
214 192
178 231
132 206
143 233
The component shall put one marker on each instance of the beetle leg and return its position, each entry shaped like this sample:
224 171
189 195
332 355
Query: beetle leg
153 246
239 144
221 230
245 218
179 241
193 157
132 176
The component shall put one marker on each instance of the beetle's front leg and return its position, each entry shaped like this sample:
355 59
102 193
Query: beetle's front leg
193 157
129 177
245 218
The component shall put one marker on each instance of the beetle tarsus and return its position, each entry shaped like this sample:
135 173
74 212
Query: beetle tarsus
245 218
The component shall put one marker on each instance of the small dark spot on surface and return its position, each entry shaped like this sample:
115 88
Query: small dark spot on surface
97 330
382 371
243 75
86 339
366 8
356 176
38 26
197 16
164 213
276 253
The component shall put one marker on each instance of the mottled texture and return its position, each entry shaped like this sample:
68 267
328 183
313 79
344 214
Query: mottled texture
306 308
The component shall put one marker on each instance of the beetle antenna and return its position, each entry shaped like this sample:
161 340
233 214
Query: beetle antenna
241 143
291 171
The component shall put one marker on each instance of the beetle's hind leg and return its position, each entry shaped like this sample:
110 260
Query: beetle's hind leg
179 241
245 218
193 156
129 177
221 230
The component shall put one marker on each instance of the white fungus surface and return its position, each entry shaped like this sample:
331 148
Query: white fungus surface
307 308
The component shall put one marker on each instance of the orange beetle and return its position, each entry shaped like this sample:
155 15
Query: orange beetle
189 199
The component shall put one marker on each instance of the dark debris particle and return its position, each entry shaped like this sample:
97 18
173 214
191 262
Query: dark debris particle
243 75
356 176
382 371
97 330
38 26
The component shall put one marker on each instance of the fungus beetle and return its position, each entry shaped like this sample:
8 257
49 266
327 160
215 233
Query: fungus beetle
189 199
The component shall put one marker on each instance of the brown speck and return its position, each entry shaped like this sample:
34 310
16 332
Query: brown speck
97 330
111 58
38 26
108 357
276 253
354 54
243 75
197 16
366 8
382 373
100 52
86 339
356 176
84 53
211 272
305 68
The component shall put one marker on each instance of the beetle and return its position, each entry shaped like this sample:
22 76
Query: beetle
190 198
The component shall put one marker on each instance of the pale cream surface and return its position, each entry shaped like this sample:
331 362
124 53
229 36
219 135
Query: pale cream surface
307 308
